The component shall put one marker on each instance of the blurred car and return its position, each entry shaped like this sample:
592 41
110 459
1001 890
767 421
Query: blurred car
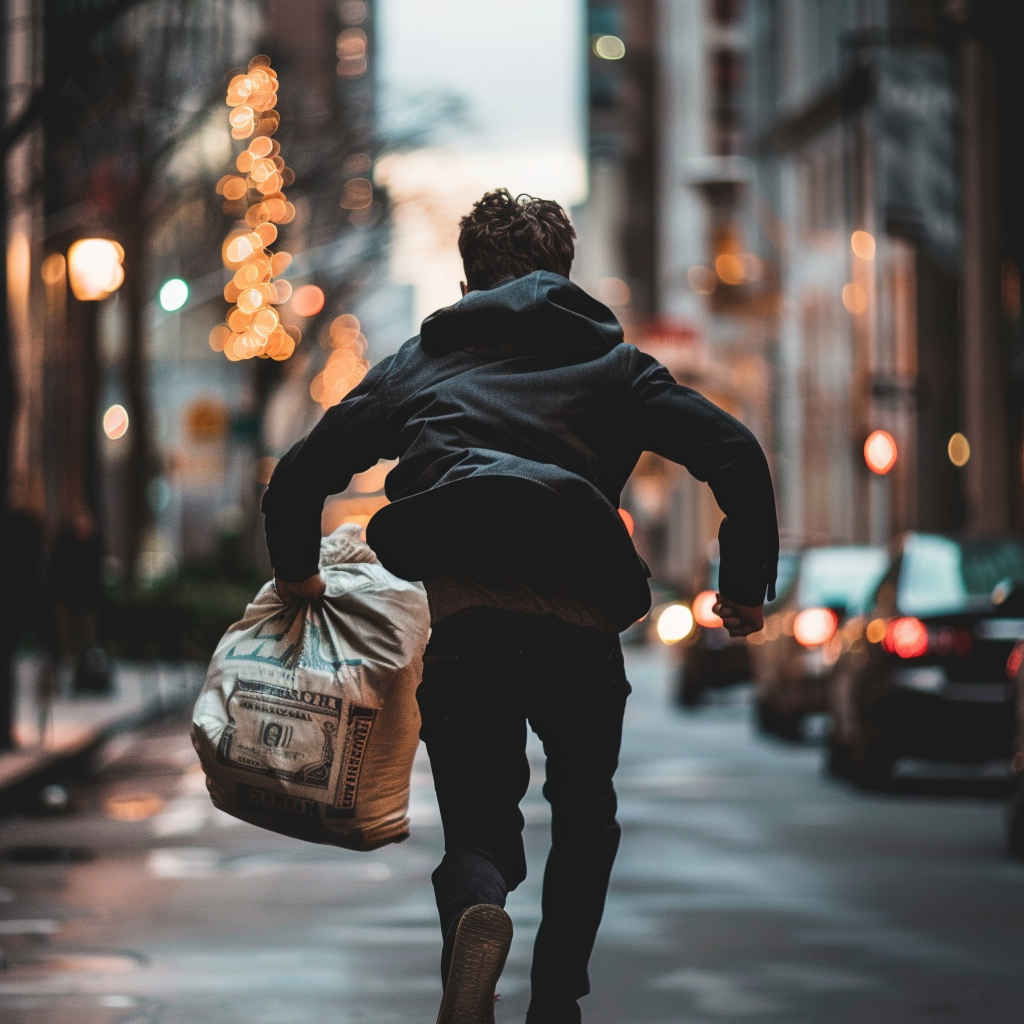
708 657
1015 817
794 653
924 673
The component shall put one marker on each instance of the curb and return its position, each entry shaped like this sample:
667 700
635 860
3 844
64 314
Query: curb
20 788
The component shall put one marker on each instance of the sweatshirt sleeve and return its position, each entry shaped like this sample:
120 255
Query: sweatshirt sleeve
681 425
350 438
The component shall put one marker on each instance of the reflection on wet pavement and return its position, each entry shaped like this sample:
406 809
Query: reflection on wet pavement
747 887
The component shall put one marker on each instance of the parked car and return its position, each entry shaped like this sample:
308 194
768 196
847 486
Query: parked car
708 657
924 673
794 653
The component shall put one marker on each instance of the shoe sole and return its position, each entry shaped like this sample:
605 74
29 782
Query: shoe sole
481 947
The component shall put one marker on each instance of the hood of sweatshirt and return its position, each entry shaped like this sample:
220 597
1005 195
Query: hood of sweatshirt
541 313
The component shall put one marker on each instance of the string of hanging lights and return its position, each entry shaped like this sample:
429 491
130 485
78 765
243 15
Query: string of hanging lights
256 197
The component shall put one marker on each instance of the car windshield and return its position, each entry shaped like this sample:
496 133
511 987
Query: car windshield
939 575
840 578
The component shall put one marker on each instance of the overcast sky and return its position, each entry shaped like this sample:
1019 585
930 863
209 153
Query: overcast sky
518 65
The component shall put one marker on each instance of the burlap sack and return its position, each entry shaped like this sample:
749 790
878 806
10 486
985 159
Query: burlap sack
307 724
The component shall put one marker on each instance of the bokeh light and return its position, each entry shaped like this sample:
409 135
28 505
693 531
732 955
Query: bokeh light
115 422
880 452
675 623
307 300
609 48
906 638
54 269
863 245
959 450
94 268
356 194
627 520
815 626
173 294
702 609
252 325
730 269
346 366
855 299
875 631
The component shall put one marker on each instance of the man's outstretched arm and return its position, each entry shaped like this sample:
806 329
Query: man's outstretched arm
350 438
681 425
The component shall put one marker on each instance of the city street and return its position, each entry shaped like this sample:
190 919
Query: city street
748 887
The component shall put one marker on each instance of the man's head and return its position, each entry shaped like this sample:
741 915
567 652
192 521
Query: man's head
503 237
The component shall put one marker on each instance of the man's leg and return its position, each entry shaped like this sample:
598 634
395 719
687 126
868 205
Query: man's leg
578 716
474 727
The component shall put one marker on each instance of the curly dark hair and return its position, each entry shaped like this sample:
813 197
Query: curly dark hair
503 237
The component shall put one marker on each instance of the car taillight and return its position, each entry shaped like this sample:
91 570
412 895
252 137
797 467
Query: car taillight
815 626
1013 662
906 637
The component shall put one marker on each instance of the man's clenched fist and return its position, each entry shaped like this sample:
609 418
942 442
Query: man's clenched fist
739 619
311 589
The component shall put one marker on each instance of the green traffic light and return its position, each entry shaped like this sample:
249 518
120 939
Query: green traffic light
173 294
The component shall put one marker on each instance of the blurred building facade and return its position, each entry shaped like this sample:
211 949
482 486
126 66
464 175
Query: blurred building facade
832 217
128 140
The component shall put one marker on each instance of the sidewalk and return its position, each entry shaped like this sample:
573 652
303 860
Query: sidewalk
76 726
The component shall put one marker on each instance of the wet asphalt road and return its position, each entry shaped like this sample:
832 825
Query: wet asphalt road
748 887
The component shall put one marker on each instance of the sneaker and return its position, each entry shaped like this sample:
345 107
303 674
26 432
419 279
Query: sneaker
482 939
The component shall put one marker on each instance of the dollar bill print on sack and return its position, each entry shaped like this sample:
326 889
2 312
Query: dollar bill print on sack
281 733
360 722
284 642
307 724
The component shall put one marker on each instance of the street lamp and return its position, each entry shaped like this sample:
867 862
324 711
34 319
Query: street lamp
94 268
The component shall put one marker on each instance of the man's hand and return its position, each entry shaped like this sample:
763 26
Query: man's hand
739 619
311 589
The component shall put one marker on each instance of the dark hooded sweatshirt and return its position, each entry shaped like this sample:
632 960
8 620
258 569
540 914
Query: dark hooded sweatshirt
517 416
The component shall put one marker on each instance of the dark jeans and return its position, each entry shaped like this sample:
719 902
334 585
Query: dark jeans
486 674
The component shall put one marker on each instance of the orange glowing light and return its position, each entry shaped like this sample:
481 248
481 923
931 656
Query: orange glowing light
702 613
628 520
115 422
815 626
54 269
880 452
730 269
238 249
94 268
307 300
863 245
875 631
253 328
855 299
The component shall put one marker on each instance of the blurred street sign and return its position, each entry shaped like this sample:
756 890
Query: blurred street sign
206 420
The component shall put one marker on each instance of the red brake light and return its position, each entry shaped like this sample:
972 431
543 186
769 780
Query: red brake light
815 626
1013 662
907 638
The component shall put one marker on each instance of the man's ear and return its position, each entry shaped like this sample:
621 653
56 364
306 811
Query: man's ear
462 285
